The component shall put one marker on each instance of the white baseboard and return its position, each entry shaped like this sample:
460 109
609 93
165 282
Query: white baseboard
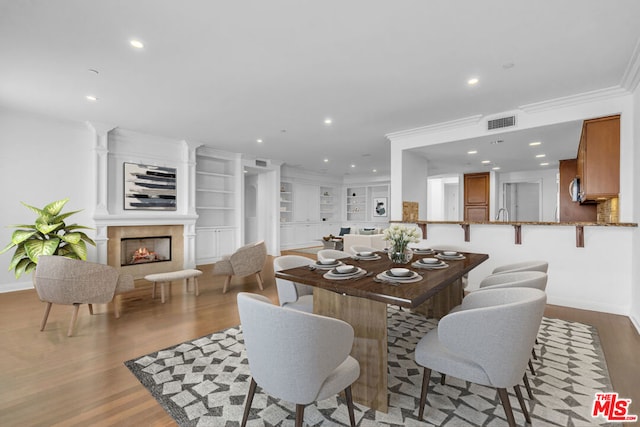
12 287
636 323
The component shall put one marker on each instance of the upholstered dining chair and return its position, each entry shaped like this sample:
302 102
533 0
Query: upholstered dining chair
356 249
290 294
245 261
295 356
487 342
61 280
519 279
332 254
542 266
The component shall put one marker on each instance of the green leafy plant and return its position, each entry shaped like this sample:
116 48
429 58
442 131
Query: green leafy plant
49 235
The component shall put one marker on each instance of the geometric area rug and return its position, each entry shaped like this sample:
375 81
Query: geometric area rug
204 383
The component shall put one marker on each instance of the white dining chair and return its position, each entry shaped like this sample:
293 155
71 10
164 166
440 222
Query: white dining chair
519 279
471 344
295 356
542 266
332 254
290 294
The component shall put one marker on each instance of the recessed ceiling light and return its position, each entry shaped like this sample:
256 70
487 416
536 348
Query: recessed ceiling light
472 152
245 171
473 81
496 168
136 43
326 160
353 166
328 121
485 162
91 98
375 170
544 164
540 155
259 141
533 144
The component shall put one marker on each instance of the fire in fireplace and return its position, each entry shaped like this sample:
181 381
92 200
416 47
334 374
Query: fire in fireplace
142 250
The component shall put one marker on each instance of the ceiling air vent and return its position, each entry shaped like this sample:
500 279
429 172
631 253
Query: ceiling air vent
262 163
502 122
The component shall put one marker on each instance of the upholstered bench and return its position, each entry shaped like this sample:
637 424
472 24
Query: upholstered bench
168 277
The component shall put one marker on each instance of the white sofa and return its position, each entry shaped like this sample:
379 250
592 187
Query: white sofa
373 241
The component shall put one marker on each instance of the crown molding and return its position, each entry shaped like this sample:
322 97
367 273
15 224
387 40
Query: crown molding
631 76
435 128
571 100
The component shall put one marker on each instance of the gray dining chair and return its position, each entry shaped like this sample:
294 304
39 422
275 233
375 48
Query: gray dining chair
519 279
332 254
290 294
471 343
542 266
296 356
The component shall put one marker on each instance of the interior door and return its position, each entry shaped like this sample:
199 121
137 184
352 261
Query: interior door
476 196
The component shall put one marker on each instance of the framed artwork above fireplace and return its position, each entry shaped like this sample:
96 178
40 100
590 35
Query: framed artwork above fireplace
149 187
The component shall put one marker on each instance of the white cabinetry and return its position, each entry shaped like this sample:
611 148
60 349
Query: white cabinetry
213 243
217 204
305 202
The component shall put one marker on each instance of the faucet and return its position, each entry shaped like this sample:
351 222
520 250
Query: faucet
505 217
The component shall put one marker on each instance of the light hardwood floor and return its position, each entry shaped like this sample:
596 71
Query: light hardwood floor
49 379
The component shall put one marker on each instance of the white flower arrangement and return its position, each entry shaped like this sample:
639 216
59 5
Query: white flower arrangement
400 236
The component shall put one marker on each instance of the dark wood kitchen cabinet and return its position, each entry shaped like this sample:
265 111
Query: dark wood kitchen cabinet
598 165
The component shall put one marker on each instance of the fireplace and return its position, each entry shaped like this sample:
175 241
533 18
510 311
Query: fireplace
165 241
142 250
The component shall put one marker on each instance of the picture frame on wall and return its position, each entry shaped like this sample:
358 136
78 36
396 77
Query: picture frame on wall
148 187
380 206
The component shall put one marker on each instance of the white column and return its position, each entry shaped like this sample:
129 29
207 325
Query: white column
101 183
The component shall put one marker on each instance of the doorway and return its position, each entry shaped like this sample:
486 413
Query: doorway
522 200
260 217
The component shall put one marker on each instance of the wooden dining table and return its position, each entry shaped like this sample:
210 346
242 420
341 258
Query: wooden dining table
362 302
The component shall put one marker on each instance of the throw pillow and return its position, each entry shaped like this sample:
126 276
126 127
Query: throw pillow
366 232
344 230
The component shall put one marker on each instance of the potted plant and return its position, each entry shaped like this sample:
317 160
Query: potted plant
49 235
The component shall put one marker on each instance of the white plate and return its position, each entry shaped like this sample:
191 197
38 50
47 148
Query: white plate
419 264
366 258
359 272
415 278
422 251
453 258
387 274
327 266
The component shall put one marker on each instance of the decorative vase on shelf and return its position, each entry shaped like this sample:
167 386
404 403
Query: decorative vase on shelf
400 255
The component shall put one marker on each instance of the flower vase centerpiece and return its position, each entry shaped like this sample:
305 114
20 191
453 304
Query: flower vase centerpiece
399 236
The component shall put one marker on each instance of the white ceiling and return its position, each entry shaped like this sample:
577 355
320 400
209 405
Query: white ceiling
226 73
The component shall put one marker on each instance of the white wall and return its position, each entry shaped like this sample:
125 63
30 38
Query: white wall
635 184
42 160
414 182
593 278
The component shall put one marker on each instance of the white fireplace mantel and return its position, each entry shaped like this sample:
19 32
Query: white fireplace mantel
109 152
